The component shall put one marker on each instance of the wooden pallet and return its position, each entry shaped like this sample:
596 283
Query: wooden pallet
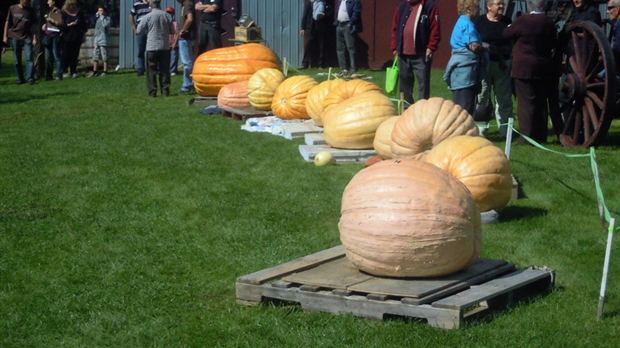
242 114
202 101
328 282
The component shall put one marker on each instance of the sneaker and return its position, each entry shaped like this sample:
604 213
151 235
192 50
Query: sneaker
186 91
58 79
343 73
65 75
173 74
90 74
74 76
31 82
102 74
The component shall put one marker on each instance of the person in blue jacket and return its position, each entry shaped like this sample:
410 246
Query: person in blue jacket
348 24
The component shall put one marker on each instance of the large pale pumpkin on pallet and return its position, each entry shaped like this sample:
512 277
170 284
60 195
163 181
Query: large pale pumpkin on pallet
383 138
234 95
352 124
408 218
427 123
289 101
262 86
346 90
316 96
480 165
218 67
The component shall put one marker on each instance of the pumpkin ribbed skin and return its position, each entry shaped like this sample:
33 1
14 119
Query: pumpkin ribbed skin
427 123
383 138
480 165
218 67
234 95
346 90
289 101
262 86
352 124
316 95
408 218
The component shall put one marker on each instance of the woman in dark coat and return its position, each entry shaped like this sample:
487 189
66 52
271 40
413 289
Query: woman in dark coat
74 27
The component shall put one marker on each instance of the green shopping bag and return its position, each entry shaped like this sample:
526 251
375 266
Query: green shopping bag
391 77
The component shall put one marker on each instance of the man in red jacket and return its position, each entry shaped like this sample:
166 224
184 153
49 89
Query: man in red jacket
415 54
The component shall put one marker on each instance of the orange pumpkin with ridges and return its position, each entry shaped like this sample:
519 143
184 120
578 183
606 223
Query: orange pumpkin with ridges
234 95
289 101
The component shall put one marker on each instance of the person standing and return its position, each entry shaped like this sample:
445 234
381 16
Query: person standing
73 29
491 26
613 11
348 24
51 41
313 28
584 11
21 28
210 24
534 37
139 9
415 38
102 34
466 67
157 25
174 43
186 44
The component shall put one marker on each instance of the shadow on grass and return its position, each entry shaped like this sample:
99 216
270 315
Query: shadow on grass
21 96
521 213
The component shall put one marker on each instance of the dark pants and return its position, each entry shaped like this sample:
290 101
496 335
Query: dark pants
158 63
141 38
209 34
345 40
70 54
315 45
466 97
52 51
410 67
532 109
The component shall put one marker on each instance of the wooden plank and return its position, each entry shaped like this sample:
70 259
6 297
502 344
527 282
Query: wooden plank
244 113
337 274
297 265
493 288
296 130
202 101
308 152
420 287
315 139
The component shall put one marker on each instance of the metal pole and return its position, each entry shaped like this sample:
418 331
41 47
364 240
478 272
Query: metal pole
509 137
601 299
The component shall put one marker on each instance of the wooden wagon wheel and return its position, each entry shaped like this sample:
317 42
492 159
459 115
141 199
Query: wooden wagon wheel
590 86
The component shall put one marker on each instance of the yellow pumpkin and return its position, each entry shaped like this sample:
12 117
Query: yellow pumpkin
234 95
262 86
316 95
427 123
352 123
218 67
346 90
383 138
289 101
408 218
480 165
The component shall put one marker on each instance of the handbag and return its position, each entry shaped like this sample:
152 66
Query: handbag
391 77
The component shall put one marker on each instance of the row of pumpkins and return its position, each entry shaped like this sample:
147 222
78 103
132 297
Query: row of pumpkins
417 212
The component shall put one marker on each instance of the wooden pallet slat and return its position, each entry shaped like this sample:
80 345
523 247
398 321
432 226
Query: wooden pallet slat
242 114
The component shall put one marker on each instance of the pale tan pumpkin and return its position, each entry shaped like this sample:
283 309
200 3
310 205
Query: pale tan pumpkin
408 218
346 90
316 95
427 123
262 86
480 165
352 124
383 138
234 95
289 101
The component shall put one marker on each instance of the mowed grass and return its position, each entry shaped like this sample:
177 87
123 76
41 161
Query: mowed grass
125 222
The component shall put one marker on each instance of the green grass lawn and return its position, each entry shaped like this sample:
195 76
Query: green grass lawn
125 222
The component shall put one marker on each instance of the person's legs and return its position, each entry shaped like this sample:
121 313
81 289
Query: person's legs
406 77
215 38
186 50
341 46
152 66
174 60
17 57
57 57
104 58
164 72
525 107
422 70
502 88
203 37
141 38
49 60
350 41
466 98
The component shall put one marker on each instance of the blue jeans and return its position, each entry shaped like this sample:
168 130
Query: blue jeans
52 51
186 51
174 60
345 40
141 51
26 46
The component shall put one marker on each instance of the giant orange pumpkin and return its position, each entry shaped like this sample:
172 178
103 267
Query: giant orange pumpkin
262 86
316 96
234 95
383 138
346 90
218 67
408 218
289 101
479 164
427 123
352 124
